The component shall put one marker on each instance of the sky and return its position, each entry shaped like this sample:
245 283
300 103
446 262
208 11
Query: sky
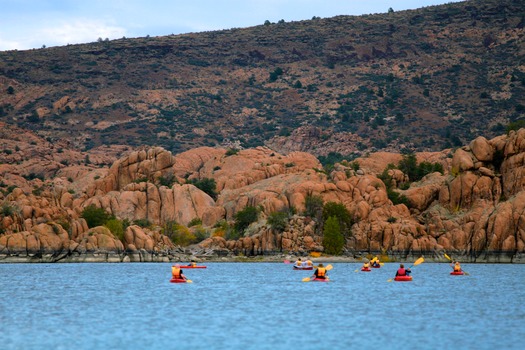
27 24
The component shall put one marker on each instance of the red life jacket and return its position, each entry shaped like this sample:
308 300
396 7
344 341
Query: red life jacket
401 272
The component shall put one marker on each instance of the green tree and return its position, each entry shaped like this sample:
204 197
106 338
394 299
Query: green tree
95 216
333 240
313 206
339 211
244 218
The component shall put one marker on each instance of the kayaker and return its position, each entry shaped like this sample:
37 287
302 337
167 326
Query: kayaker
320 272
456 266
309 263
375 262
299 263
177 273
402 271
193 263
366 265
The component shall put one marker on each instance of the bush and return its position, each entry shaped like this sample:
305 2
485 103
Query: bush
278 221
116 227
95 216
313 206
244 218
195 222
206 185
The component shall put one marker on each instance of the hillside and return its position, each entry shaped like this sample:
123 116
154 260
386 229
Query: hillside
426 79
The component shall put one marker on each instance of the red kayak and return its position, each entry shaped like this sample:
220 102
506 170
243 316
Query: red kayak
366 269
376 267
457 273
303 267
403 278
178 280
320 280
192 267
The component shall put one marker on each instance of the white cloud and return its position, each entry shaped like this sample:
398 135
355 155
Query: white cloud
59 33
79 31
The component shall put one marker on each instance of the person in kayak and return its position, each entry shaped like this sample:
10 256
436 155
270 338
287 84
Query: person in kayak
402 271
177 273
456 266
299 262
309 263
366 265
375 262
320 272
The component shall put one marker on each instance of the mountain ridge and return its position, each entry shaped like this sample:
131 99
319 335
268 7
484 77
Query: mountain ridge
423 79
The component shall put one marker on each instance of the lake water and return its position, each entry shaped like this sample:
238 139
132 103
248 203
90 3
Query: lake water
259 306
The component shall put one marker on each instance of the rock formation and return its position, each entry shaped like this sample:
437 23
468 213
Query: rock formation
474 210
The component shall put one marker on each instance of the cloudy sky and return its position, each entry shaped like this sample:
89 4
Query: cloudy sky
26 24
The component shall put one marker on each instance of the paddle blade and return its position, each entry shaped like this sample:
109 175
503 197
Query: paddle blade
382 264
419 261
390 280
466 273
286 261
448 257
189 281
329 267
306 279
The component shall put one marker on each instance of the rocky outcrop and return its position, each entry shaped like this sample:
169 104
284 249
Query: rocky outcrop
476 209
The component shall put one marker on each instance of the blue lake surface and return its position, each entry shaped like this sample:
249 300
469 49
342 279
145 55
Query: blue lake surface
259 306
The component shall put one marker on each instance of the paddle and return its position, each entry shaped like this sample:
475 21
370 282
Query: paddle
286 261
417 262
450 259
328 268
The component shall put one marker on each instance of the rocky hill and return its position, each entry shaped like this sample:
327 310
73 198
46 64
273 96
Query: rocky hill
474 209
424 80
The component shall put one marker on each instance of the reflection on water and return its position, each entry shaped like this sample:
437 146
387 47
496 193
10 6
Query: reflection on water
258 306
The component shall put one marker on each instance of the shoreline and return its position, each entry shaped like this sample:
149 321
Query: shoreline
145 257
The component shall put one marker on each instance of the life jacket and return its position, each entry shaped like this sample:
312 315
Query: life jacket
321 272
457 267
401 272
175 272
298 263
366 265
309 263
193 264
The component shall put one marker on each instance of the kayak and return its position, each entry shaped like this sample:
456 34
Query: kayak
403 278
178 280
320 280
303 267
376 267
192 267
366 269
457 273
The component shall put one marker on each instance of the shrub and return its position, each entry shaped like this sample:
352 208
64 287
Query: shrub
116 227
142 223
195 222
313 206
95 216
244 218
206 185
278 221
